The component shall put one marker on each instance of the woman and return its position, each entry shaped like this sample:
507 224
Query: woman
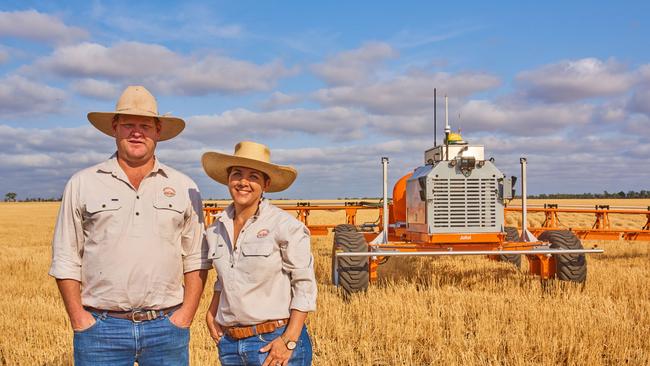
265 273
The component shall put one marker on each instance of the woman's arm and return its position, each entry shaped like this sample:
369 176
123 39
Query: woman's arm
213 327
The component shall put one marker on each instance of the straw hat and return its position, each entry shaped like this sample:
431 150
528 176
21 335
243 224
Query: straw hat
137 101
249 155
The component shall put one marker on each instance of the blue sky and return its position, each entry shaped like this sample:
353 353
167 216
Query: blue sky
332 87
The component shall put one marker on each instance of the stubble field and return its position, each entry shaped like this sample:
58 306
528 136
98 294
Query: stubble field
446 311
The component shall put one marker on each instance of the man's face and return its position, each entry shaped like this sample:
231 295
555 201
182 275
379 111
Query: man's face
136 137
246 185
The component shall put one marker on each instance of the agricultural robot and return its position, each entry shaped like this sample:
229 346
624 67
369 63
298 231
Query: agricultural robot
454 205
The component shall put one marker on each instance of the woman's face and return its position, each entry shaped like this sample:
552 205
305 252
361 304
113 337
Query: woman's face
246 185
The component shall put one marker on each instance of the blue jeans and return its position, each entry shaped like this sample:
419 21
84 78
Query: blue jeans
116 342
246 352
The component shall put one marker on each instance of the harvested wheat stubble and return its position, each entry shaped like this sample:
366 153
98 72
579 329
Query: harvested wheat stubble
465 310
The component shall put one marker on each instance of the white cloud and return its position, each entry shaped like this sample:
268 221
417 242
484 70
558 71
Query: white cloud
640 101
32 25
20 96
410 94
572 80
98 89
639 125
335 123
278 99
122 61
161 69
482 115
351 67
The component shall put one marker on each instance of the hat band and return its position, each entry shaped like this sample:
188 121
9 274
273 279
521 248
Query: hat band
135 110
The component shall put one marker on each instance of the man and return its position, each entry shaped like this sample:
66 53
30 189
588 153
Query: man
129 254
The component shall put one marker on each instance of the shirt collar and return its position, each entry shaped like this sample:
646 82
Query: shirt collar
111 166
229 211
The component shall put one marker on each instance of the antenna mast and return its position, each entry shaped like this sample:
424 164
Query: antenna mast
434 119
447 128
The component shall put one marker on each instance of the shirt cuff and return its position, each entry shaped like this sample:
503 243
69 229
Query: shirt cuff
303 303
62 271
193 264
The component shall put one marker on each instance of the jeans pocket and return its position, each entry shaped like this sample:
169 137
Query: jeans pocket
169 320
93 326
269 337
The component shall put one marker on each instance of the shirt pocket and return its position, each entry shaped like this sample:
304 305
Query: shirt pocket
101 218
169 217
259 262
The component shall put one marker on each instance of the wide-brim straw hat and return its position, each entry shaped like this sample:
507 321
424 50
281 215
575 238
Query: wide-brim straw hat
249 155
137 101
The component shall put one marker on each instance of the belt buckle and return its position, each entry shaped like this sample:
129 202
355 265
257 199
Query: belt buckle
134 313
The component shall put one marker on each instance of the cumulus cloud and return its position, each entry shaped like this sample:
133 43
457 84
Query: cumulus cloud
20 96
572 80
32 25
640 101
409 94
278 99
98 89
161 68
483 115
353 66
336 123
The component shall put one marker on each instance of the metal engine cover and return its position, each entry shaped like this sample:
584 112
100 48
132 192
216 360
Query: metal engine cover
443 198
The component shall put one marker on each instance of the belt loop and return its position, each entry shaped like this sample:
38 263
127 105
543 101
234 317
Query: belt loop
103 315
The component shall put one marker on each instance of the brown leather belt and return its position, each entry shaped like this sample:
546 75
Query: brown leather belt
135 315
249 331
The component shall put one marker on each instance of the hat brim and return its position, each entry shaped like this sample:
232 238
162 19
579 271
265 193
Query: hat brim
170 127
216 167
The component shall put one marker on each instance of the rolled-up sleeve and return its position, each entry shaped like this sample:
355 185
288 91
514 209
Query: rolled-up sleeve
193 242
68 240
299 263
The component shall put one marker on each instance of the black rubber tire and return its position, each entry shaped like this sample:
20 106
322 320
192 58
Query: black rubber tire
344 227
512 234
353 275
568 267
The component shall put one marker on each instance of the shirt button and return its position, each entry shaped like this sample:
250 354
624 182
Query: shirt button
103 206
137 197
137 214
170 205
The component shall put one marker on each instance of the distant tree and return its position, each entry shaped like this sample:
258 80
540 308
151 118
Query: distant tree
10 197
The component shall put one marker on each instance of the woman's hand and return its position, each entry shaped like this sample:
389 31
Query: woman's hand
279 354
213 327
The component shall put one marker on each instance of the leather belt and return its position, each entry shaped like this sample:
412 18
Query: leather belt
135 315
249 331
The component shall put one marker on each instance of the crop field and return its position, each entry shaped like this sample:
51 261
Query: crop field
422 311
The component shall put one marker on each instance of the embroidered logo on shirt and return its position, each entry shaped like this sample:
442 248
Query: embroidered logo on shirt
169 191
262 233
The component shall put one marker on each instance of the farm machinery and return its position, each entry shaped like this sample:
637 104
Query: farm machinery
452 205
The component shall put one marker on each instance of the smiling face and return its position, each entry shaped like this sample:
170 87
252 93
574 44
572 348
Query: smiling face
246 185
136 138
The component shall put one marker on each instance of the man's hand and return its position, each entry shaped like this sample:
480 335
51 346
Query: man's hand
279 354
82 321
181 318
213 327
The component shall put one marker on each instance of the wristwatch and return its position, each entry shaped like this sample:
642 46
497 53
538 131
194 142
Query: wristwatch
291 345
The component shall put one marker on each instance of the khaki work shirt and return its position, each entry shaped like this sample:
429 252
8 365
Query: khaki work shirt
269 272
129 248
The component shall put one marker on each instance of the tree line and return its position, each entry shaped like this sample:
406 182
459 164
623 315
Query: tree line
605 194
